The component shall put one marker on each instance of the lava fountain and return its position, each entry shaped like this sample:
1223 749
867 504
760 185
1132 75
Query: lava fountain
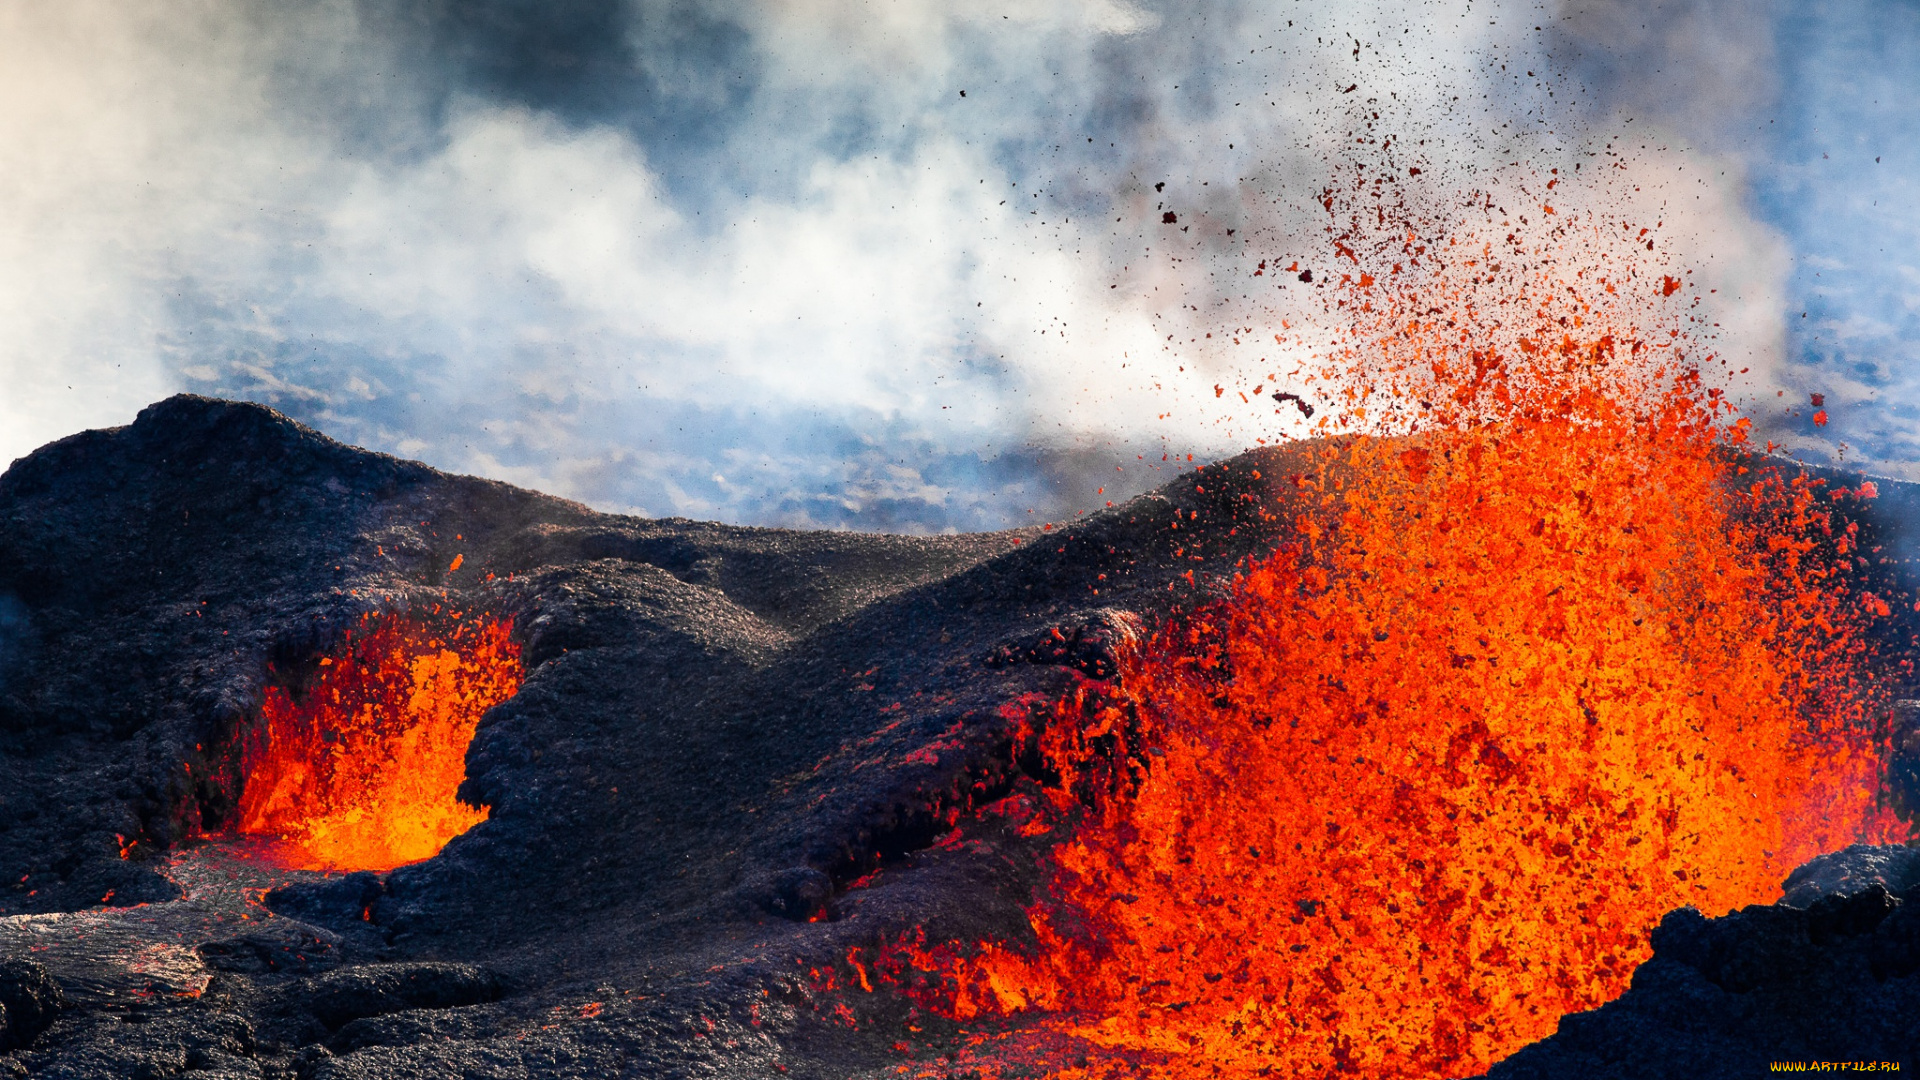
357 767
1551 653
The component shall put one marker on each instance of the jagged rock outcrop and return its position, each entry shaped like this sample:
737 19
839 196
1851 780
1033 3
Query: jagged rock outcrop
1827 974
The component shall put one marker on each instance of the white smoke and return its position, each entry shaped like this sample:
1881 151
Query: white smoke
767 264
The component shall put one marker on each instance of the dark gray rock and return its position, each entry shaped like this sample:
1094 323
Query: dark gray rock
377 989
278 945
798 893
166 1042
413 1026
29 1001
1831 981
1833 918
1850 870
1089 642
624 1040
308 1059
335 903
1896 944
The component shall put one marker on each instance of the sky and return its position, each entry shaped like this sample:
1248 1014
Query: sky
882 264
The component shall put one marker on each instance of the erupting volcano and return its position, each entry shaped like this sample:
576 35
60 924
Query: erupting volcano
356 767
1553 654
1248 541
1400 749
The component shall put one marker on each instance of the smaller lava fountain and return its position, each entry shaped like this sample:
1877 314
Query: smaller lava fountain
357 768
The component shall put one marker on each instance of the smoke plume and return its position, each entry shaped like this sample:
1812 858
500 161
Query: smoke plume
903 266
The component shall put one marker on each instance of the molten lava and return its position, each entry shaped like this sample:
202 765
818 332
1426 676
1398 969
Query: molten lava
357 768
1551 655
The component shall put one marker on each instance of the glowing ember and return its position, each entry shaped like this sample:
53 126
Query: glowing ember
1545 663
358 769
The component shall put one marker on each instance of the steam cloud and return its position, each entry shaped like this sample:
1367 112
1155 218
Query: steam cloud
765 262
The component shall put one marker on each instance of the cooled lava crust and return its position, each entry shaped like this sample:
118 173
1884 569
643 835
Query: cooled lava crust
732 761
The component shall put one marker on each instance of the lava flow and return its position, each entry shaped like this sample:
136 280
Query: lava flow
1551 653
357 768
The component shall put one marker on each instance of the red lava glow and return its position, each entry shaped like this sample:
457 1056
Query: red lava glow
1550 654
357 769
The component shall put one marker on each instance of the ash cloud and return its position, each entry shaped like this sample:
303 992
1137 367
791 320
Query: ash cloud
1815 109
764 262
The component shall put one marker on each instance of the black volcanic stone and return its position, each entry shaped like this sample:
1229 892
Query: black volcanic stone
280 945
1833 918
29 1000
336 903
1851 870
1895 951
410 1026
1833 981
378 989
798 893
1090 643
155 1043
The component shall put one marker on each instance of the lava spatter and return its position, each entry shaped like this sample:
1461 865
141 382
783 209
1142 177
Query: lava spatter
357 768
1551 654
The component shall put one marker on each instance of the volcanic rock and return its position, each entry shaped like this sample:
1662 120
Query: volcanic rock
1851 870
151 1045
1089 642
410 1026
29 999
377 989
1833 980
1895 951
800 893
335 903
279 945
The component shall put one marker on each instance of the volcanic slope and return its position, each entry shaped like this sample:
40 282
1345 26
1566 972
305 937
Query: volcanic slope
719 730
737 755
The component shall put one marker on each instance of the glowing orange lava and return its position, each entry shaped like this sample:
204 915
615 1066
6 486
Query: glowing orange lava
1545 661
358 770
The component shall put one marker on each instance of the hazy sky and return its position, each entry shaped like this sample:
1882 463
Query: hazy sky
894 264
